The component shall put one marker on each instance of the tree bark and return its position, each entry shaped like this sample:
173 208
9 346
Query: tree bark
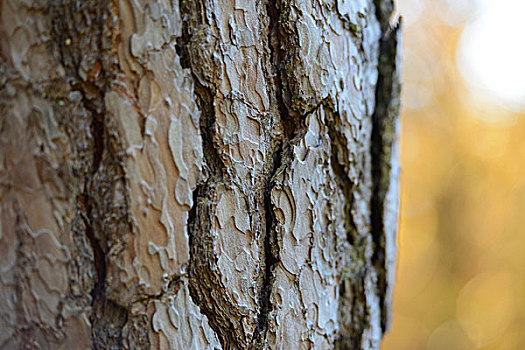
197 174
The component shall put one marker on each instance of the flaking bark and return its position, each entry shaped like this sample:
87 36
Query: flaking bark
197 174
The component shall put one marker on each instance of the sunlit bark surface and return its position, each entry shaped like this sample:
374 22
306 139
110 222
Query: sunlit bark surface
197 174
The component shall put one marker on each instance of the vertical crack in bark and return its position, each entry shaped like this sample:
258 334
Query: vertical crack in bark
383 137
192 216
271 256
384 11
352 285
292 123
293 128
339 147
353 290
84 41
88 202
99 259
201 247
202 260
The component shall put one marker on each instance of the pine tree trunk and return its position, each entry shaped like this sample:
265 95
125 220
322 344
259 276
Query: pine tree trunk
197 174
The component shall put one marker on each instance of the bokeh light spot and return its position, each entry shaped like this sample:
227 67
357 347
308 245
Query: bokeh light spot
491 53
485 306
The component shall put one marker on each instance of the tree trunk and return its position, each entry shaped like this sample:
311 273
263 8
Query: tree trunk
197 174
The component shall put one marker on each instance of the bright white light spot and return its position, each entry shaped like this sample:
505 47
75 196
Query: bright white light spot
410 10
491 52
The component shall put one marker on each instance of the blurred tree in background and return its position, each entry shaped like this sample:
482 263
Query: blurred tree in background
461 259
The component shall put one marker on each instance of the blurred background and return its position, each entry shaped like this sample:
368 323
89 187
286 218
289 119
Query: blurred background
461 268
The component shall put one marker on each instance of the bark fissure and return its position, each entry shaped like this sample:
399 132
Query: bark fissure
353 337
382 139
201 282
271 249
292 123
88 202
99 258
384 10
84 42
192 216
271 256
353 275
201 247
339 147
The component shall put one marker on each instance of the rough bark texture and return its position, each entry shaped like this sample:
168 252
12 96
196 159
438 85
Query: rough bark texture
197 174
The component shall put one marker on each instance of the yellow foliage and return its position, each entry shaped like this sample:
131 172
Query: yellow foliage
461 266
